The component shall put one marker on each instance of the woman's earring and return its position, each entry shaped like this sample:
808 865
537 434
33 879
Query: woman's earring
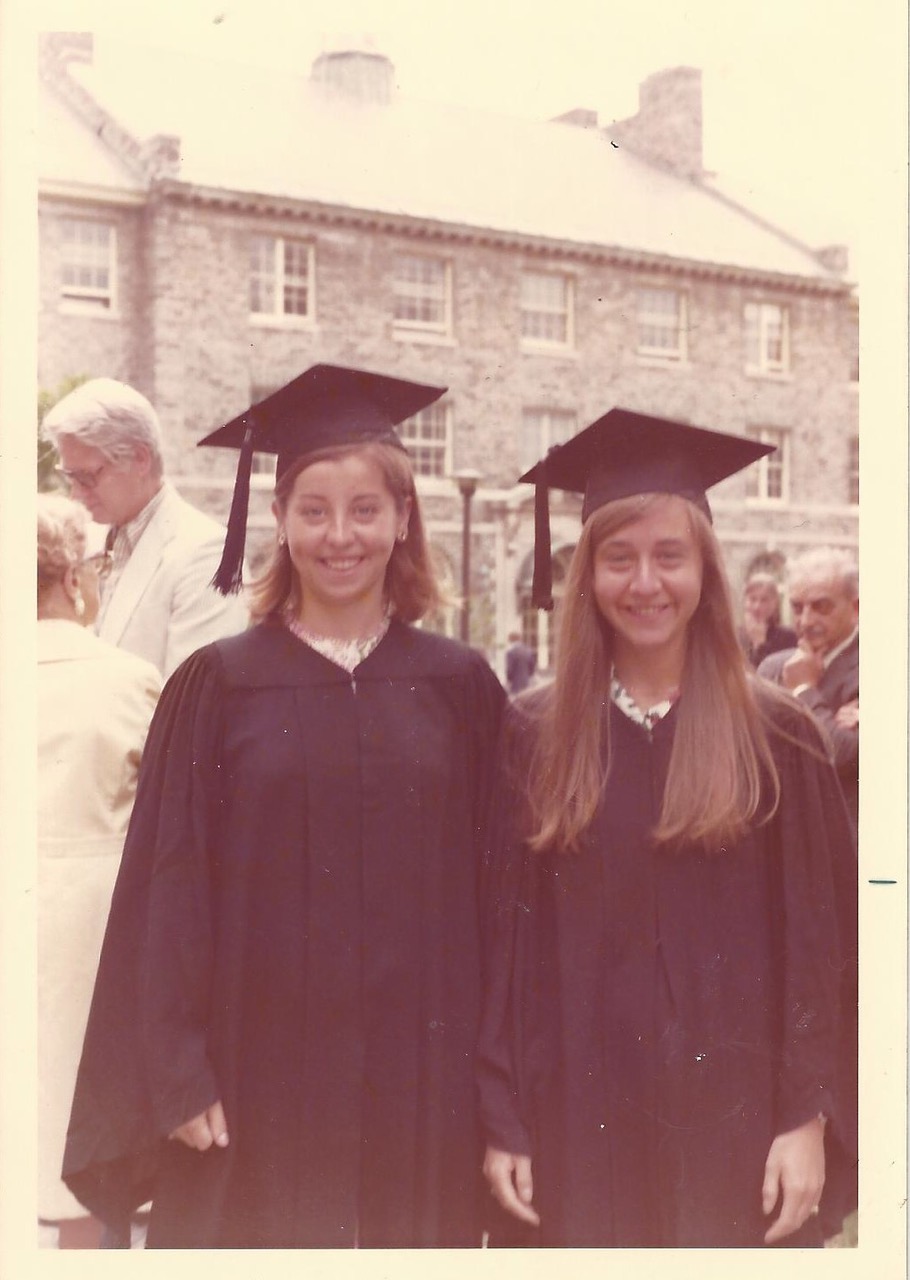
402 535
282 539
78 605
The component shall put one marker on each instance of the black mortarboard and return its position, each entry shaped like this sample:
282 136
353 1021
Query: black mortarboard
624 453
326 406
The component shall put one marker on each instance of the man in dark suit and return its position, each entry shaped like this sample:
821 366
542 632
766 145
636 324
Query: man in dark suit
823 670
521 663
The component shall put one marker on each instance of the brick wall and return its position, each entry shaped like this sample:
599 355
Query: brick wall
184 336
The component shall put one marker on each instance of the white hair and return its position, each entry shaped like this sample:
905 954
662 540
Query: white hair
109 416
826 564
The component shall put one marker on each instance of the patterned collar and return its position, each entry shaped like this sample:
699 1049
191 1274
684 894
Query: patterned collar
627 704
347 654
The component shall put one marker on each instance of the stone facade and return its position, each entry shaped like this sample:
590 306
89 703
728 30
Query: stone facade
182 332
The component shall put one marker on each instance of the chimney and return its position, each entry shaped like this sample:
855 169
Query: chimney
61 47
355 75
160 156
667 130
834 257
582 117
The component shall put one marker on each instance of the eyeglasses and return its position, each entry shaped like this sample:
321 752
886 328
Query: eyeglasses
84 479
103 563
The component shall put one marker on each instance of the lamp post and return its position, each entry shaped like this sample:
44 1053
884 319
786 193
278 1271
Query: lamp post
467 480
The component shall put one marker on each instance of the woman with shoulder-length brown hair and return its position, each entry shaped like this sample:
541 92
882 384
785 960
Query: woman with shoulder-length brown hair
668 1047
280 1053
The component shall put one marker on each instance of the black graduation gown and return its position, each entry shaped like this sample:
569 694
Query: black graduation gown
295 930
655 1019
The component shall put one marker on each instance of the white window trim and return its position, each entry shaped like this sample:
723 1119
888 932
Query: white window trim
546 413
770 368
280 319
445 479
545 346
759 469
83 302
664 355
427 330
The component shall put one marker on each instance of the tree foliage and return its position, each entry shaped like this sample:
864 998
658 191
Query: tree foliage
48 458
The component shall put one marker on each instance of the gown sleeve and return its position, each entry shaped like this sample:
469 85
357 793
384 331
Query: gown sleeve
144 1067
507 908
819 890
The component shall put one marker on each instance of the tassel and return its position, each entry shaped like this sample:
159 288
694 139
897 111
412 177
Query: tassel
542 584
229 577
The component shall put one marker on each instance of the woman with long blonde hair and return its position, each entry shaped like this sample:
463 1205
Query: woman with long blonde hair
280 1053
666 1056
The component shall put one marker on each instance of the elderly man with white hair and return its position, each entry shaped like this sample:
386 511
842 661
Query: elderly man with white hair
157 602
823 670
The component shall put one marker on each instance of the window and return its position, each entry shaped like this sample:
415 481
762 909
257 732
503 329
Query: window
426 437
853 471
546 310
767 338
264 465
768 479
542 428
661 315
281 277
422 290
88 259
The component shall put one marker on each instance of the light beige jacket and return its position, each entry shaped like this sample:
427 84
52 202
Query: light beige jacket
94 707
163 606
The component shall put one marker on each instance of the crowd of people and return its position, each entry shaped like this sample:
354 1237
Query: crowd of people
391 958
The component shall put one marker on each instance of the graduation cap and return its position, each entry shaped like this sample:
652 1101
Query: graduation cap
324 407
623 454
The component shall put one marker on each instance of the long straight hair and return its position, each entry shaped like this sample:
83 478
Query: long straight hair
721 765
410 581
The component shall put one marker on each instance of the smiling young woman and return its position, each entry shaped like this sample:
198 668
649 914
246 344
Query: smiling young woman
300 1014
668 1051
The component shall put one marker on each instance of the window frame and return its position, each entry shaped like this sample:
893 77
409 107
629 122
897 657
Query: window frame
88 299
534 342
405 326
546 415
764 365
675 355
414 442
760 473
281 279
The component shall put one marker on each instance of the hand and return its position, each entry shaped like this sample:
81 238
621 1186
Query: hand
795 1175
204 1130
847 716
510 1181
802 667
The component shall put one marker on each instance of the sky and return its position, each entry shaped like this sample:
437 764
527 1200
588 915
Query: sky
795 92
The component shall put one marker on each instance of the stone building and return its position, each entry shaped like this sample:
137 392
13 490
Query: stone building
208 243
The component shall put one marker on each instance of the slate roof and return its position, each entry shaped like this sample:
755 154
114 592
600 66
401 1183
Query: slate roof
248 130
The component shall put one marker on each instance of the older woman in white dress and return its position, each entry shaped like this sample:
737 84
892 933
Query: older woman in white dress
94 707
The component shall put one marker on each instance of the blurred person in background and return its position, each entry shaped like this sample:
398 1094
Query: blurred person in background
521 663
822 670
158 601
94 708
761 631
